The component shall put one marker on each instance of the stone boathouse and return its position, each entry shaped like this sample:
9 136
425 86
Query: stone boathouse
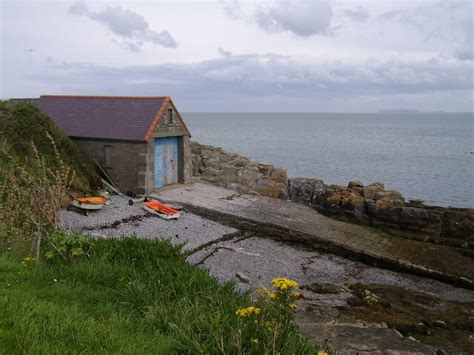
141 142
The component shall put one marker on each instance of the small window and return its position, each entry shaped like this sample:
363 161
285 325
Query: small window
169 115
107 156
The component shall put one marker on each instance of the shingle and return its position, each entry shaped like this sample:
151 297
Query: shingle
106 117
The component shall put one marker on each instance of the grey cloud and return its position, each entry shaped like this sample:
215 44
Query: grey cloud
233 9
130 27
358 14
265 82
391 15
268 75
465 49
223 52
302 18
449 24
465 53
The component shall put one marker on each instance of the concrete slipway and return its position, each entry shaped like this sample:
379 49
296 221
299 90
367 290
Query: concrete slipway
253 239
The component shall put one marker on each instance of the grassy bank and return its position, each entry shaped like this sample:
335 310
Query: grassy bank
24 126
130 296
39 164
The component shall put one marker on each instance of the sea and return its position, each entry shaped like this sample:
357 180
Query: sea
425 156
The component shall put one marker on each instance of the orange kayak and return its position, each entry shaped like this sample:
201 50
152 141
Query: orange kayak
86 204
161 210
91 200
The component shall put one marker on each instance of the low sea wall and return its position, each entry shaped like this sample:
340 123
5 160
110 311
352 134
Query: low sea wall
369 205
233 171
372 205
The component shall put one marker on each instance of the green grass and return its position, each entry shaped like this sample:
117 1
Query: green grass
130 297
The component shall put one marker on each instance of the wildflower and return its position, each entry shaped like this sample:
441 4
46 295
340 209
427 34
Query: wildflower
284 284
49 254
296 294
292 306
27 260
267 293
322 353
254 341
269 326
55 280
247 312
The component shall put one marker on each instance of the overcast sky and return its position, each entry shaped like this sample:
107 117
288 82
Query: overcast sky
281 55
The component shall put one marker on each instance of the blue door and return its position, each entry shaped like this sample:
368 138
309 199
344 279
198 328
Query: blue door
166 161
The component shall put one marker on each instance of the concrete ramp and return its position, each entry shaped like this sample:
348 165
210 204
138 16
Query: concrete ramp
288 221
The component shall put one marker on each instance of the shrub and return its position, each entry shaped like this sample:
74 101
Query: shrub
24 124
66 246
30 198
267 326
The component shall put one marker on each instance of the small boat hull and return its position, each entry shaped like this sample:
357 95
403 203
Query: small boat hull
91 201
161 210
86 204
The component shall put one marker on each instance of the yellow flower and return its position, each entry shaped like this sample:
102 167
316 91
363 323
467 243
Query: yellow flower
247 312
254 341
266 292
322 353
292 306
284 284
27 260
296 294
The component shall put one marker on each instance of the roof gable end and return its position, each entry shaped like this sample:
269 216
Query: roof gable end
156 121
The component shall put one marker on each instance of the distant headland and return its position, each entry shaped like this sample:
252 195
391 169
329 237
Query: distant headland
417 112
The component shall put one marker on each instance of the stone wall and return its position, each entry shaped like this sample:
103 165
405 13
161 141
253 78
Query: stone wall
127 161
372 205
232 171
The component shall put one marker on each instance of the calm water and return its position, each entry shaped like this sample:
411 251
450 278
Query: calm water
424 156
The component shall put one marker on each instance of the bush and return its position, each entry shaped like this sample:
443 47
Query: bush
24 124
66 246
267 326
30 197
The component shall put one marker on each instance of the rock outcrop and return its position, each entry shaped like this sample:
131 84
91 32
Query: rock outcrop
233 171
370 205
386 209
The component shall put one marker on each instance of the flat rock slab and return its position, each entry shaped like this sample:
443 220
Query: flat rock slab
289 221
352 340
260 260
119 219
325 282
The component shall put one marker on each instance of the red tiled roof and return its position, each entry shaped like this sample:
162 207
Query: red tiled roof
107 117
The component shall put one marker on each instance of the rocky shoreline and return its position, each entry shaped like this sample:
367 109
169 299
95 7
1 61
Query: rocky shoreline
388 210
354 307
371 205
